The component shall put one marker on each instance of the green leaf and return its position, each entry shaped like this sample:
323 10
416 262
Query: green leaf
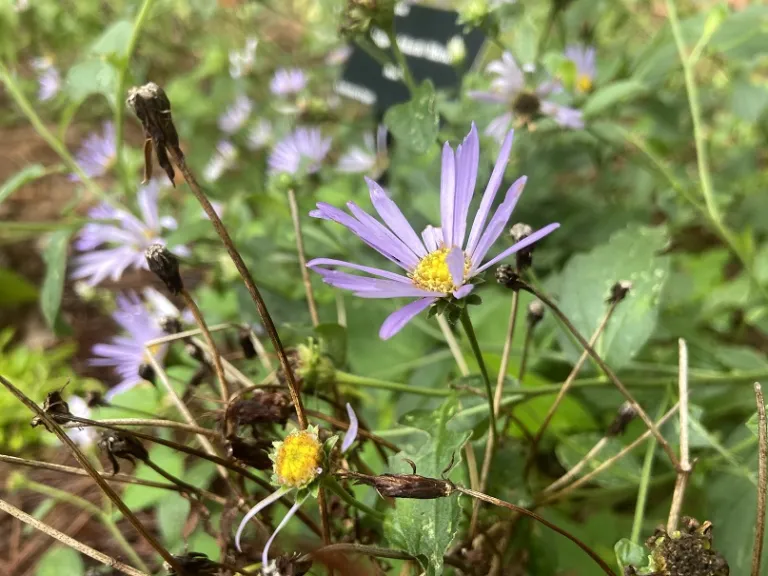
114 40
631 254
172 514
612 94
91 77
55 257
415 123
426 528
625 472
15 289
22 177
60 560
137 497
630 554
333 342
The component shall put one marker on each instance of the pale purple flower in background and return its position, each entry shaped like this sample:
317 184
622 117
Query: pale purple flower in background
236 115
442 262
508 88
108 249
241 61
302 151
288 81
87 435
372 159
260 135
223 159
48 78
97 154
338 55
140 323
586 68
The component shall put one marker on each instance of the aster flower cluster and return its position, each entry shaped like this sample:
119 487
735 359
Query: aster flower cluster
116 239
300 153
371 159
442 262
97 153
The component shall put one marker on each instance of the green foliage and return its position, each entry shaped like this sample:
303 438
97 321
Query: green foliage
60 560
426 528
415 123
55 257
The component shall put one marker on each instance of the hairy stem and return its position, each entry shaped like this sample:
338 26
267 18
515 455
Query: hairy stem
762 480
684 470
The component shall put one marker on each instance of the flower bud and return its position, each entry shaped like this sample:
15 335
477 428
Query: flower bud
165 266
146 372
506 276
624 416
524 257
619 291
535 313
313 367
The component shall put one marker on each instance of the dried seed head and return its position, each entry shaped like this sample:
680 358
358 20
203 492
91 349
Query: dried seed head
506 276
146 372
298 459
95 399
524 257
624 416
254 453
55 408
170 324
686 552
526 105
535 313
263 407
619 291
165 266
246 344
153 109
194 564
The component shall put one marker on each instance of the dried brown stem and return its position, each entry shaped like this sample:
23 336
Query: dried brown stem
336 423
606 369
525 512
250 284
218 368
684 470
103 484
573 472
762 480
608 463
151 424
69 541
302 257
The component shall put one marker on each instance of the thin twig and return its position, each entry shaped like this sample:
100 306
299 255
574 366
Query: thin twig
229 369
336 423
52 425
311 303
150 424
762 480
250 284
608 463
525 512
574 471
192 305
606 369
684 470
69 541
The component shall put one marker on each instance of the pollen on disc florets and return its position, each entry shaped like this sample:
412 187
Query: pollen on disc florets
431 273
583 83
298 458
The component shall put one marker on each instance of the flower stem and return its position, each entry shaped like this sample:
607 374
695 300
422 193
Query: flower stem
467 324
333 485
93 510
122 82
401 61
302 257
365 382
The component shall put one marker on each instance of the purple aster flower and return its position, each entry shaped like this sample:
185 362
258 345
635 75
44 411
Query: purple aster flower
288 81
108 249
508 88
97 154
48 79
584 60
371 159
241 61
303 150
260 135
236 115
222 160
444 260
140 323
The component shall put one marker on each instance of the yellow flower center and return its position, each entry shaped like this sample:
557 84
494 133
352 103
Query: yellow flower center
431 273
298 459
583 83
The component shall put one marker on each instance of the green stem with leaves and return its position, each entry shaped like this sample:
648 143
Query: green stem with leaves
470 331
122 86
401 61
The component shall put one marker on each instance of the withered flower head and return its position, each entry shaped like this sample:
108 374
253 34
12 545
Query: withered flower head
194 564
508 277
56 408
165 266
146 372
624 416
170 324
535 313
619 291
524 257
686 552
254 453
94 399
246 344
153 109
264 407
122 445
403 485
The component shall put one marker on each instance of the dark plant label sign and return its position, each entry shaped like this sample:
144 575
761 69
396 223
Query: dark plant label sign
423 35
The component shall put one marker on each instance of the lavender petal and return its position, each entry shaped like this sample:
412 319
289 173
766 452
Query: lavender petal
398 319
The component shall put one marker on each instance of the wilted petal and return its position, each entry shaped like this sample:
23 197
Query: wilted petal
276 495
351 434
268 545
